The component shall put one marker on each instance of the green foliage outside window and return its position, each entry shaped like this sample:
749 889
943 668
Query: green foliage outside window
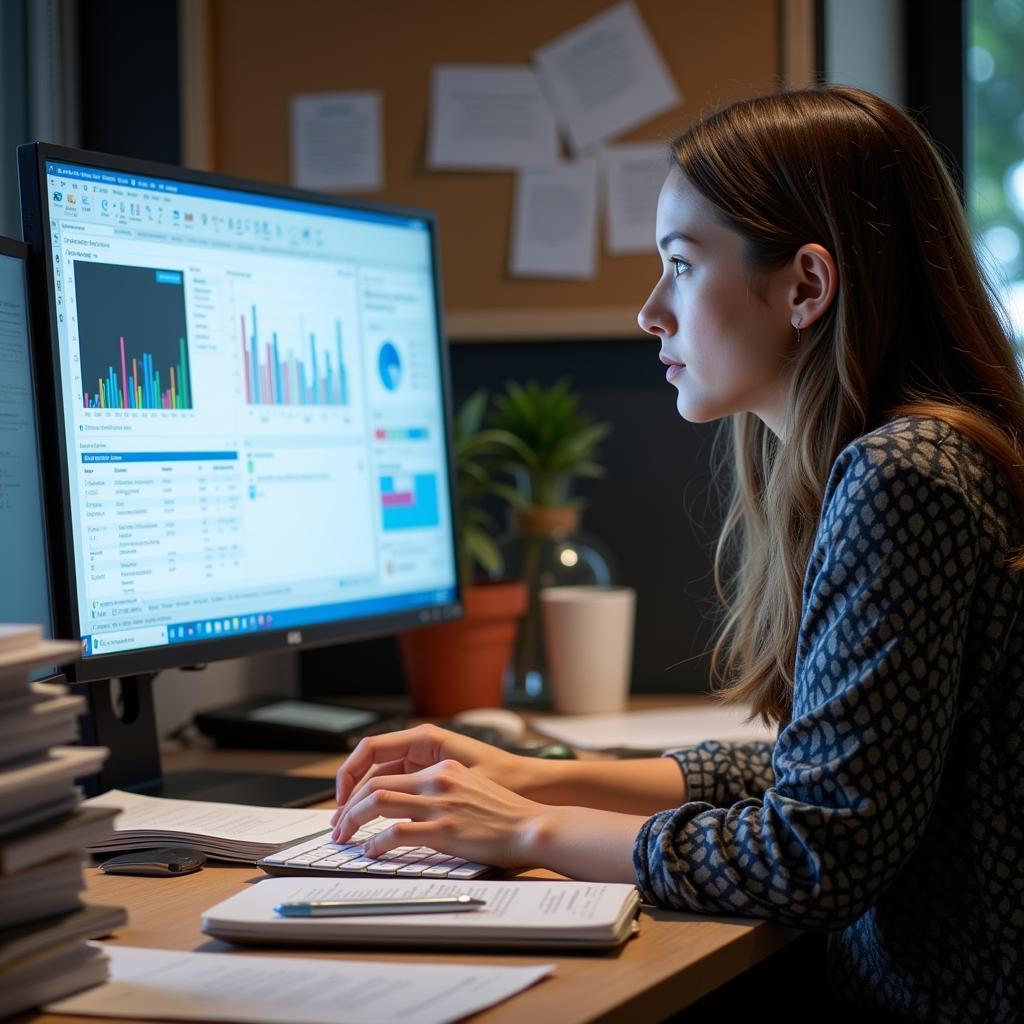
995 146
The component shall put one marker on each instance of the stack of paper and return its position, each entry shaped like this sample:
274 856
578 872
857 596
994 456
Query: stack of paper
226 831
43 832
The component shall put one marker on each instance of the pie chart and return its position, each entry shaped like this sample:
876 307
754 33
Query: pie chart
389 366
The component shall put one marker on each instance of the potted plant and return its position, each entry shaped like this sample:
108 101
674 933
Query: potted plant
549 441
452 666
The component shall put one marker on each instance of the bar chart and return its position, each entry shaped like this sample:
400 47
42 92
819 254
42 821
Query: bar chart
132 337
311 371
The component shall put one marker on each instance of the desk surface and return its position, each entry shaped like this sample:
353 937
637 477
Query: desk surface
675 959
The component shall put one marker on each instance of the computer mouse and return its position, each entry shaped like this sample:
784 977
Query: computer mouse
507 724
542 748
163 862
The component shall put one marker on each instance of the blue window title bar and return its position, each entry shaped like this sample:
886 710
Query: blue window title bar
121 179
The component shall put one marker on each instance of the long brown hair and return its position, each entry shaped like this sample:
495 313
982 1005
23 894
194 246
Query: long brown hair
913 330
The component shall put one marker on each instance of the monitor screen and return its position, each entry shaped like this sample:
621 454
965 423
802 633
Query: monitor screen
25 594
253 411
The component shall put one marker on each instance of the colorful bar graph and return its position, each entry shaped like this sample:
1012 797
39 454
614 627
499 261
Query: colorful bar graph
291 380
142 390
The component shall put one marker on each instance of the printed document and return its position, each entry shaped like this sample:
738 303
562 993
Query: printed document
660 730
157 984
554 222
605 77
336 141
633 175
486 117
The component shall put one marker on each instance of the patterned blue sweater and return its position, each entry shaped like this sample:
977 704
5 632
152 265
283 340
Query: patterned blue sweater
890 808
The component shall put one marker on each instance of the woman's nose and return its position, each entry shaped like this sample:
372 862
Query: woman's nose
654 318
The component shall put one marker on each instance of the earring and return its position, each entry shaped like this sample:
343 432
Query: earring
797 326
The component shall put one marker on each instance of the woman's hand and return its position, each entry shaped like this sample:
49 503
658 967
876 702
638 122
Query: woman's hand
454 808
412 750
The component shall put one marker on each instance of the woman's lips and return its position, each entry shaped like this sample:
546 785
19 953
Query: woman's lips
674 368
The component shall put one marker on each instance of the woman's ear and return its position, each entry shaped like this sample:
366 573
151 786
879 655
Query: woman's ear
815 284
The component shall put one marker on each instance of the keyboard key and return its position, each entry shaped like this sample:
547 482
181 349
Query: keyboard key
414 870
443 870
383 867
337 860
398 851
359 864
468 870
304 858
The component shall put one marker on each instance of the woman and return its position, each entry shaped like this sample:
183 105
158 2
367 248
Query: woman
818 286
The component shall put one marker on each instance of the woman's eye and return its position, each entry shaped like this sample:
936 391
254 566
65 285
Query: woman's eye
679 265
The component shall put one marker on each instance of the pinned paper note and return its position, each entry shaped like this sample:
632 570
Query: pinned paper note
336 141
633 176
605 77
485 117
554 223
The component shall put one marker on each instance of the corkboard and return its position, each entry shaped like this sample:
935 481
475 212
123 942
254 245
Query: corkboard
260 52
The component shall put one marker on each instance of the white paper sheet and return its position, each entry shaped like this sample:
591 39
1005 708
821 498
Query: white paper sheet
653 730
489 118
156 984
605 77
336 141
554 222
633 175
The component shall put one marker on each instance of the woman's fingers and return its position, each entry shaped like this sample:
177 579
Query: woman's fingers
382 803
389 768
428 781
408 833
421 742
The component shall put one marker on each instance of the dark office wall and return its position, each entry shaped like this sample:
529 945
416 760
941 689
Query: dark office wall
655 510
128 73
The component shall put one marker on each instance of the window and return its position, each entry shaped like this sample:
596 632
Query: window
994 104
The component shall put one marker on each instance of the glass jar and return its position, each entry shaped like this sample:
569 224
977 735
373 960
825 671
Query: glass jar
546 549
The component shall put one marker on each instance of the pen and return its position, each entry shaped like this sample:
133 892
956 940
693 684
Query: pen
354 908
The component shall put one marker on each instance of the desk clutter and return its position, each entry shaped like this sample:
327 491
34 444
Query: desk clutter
530 915
43 832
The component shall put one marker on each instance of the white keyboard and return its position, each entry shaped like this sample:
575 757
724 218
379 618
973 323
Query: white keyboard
319 856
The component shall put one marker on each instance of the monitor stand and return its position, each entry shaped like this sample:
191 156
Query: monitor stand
126 725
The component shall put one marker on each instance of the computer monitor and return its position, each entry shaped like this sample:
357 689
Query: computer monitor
25 594
249 411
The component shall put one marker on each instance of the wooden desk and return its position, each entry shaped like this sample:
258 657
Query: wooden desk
676 958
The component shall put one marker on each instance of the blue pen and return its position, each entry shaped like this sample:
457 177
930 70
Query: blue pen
355 908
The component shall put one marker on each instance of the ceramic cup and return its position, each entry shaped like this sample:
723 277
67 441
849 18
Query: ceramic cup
588 639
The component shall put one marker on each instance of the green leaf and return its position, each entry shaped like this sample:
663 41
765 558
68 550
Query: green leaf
484 552
470 416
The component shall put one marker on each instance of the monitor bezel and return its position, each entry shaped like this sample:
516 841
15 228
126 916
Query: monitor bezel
32 160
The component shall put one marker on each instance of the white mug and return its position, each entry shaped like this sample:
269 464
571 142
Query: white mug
588 639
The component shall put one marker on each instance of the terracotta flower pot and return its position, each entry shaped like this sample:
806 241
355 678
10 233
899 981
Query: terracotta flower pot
458 665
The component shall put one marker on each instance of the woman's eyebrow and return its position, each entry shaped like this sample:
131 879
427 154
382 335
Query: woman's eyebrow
676 236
